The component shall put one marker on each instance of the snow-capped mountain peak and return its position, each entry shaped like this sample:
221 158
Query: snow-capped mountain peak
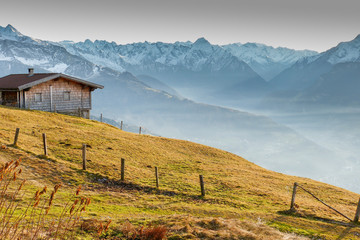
345 52
88 42
202 44
22 50
156 57
266 60
201 41
9 32
261 53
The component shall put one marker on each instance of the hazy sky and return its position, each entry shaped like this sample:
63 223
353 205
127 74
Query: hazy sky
300 24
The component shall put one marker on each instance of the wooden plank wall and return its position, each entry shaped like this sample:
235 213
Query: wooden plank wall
79 96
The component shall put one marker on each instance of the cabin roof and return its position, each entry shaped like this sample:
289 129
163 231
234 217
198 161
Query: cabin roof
23 81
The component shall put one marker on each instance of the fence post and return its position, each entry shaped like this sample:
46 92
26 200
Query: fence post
292 205
122 169
157 177
16 136
121 125
44 143
101 119
202 185
139 130
357 214
84 156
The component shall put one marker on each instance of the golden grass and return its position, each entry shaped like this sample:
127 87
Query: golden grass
37 216
235 188
220 228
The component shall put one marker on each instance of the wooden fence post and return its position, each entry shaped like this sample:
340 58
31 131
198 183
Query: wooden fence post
122 169
121 125
101 119
357 214
157 177
292 205
139 130
84 156
16 136
44 143
202 185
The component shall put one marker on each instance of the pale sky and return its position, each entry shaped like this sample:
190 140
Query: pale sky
299 24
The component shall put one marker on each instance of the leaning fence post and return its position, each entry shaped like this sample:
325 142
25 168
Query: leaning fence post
122 169
121 125
157 177
292 205
44 143
16 136
202 185
84 156
139 130
357 214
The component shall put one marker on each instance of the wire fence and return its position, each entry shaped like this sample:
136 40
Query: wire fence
201 179
292 205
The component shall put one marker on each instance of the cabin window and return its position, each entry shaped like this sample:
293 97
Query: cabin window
66 96
38 97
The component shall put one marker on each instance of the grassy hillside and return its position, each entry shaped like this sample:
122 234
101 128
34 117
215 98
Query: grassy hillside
242 199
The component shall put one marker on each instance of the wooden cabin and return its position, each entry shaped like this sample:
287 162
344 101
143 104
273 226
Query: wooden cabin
51 92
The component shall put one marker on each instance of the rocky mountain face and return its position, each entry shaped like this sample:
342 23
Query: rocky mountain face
11 33
17 50
326 80
195 70
267 61
199 70
146 58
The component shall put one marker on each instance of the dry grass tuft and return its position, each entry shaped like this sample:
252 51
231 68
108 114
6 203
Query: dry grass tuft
219 228
94 225
144 233
213 224
26 217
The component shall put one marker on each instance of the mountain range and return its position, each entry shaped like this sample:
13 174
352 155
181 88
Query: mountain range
155 84
198 70
236 75
329 80
267 61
